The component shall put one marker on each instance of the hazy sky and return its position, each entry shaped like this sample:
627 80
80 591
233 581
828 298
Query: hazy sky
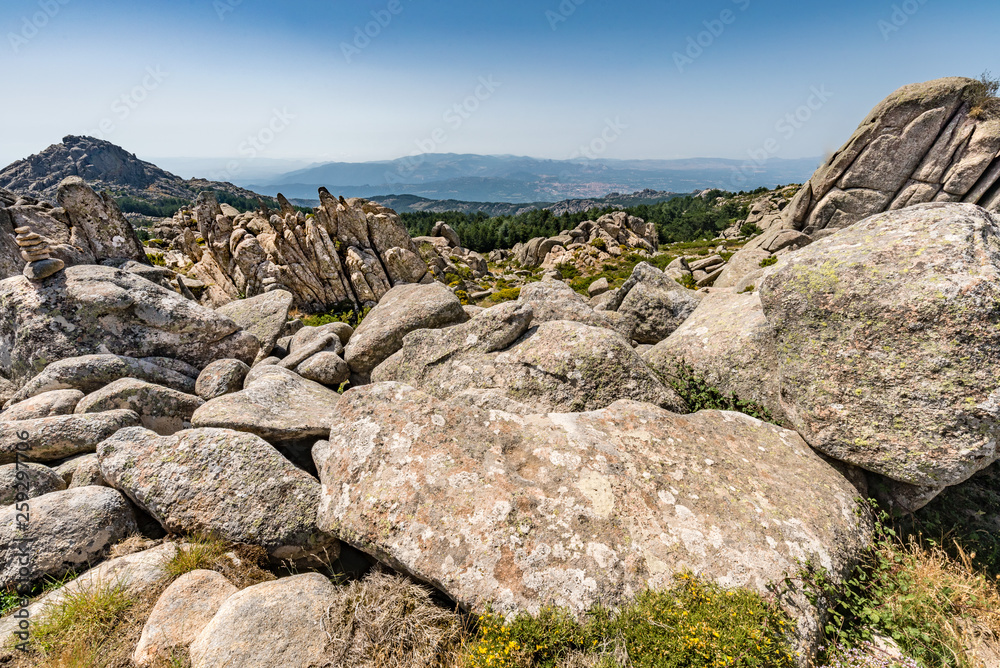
199 78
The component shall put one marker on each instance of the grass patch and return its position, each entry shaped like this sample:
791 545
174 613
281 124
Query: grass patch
390 622
243 565
769 261
506 295
344 312
694 624
982 97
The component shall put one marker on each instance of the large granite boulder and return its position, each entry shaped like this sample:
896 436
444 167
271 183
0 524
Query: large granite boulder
67 530
888 342
560 365
93 309
652 305
728 342
22 481
554 300
219 482
164 410
278 405
517 512
402 310
263 316
47 404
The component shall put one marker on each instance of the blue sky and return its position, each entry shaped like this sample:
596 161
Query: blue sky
198 78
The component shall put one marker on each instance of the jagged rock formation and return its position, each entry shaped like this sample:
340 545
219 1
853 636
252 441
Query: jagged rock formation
104 166
347 252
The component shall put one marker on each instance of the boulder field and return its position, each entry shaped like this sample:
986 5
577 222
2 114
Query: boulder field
543 451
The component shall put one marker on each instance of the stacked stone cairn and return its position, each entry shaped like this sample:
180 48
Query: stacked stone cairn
35 251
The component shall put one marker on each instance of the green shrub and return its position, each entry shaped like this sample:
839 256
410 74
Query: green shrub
687 280
508 295
769 261
750 230
694 624
568 271
463 297
699 395
156 259
982 97
748 288
343 312
599 244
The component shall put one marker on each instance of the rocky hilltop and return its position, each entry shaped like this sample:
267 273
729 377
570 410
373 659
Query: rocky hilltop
104 166
380 485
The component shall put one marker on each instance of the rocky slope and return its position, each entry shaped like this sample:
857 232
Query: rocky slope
103 166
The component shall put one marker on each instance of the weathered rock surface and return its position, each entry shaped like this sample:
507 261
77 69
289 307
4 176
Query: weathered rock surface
262 316
47 404
887 336
183 610
160 409
728 342
402 310
278 405
221 377
612 230
234 638
652 305
90 373
55 438
572 509
87 473
27 481
92 309
219 482
562 365
67 530
307 335
554 300
325 368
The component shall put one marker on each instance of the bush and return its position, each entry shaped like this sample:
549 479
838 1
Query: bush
694 624
769 261
599 244
687 280
344 312
156 259
982 97
568 271
750 230
508 295
699 395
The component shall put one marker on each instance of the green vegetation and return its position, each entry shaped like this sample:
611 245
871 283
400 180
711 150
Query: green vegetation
937 607
694 624
683 218
156 259
344 312
700 395
769 261
505 295
750 230
982 97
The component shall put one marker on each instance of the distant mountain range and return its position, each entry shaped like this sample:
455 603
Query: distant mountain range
520 180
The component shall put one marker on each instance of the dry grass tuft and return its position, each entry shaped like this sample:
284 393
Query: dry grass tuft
387 621
243 565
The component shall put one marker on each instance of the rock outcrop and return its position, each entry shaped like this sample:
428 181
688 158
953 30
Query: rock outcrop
92 309
611 231
887 337
574 509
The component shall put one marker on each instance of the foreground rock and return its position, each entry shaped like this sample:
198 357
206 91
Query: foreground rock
93 309
55 438
554 300
220 378
278 405
402 310
887 336
728 342
27 481
574 509
182 611
234 638
67 530
222 483
161 409
90 373
560 366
